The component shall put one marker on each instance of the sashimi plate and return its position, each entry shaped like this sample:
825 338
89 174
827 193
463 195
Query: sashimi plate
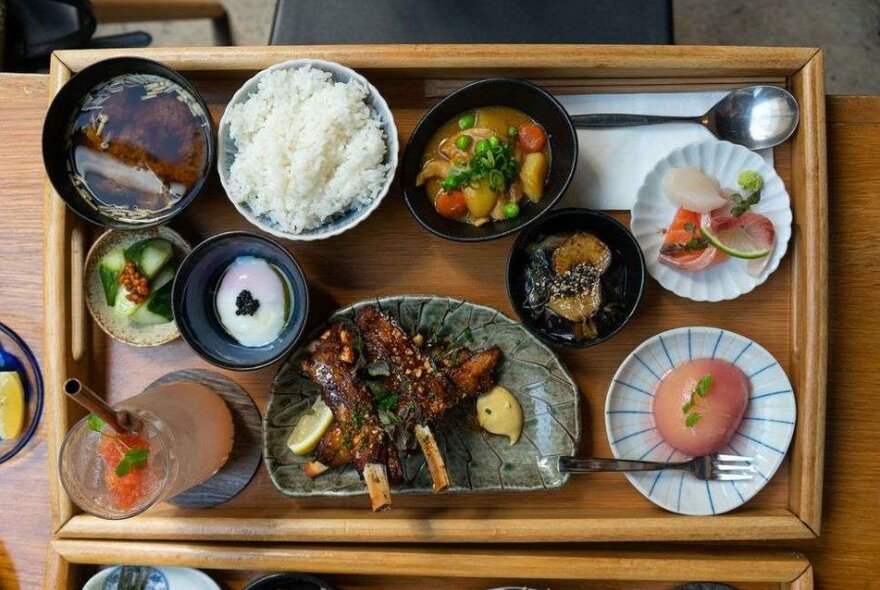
764 433
653 211
475 460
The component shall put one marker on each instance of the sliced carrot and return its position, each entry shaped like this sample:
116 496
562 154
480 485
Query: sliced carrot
451 204
532 138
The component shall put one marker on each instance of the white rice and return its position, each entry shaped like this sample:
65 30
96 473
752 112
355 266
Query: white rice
308 148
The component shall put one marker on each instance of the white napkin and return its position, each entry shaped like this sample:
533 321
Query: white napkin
613 163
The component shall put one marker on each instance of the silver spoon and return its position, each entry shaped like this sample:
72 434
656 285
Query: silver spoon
756 117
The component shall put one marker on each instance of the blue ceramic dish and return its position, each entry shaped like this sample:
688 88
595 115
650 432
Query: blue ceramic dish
16 356
193 300
764 433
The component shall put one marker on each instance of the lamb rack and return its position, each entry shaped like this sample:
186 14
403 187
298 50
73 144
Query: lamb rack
426 388
357 437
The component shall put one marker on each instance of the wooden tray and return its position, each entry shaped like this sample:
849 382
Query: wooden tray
71 562
391 254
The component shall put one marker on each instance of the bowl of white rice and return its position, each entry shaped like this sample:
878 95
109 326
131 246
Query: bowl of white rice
307 149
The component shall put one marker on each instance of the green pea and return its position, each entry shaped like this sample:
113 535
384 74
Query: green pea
494 141
467 121
511 210
512 131
482 147
463 142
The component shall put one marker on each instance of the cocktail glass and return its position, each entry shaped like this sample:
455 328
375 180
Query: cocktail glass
186 429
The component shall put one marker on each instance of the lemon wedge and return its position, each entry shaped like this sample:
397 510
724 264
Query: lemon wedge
310 428
11 405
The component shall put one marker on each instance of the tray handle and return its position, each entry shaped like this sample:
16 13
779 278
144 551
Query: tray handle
77 302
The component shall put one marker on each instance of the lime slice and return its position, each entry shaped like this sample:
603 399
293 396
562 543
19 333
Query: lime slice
736 241
311 427
11 405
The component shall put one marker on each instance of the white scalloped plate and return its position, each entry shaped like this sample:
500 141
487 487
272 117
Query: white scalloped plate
653 211
764 433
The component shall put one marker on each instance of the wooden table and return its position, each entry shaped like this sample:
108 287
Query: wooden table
846 554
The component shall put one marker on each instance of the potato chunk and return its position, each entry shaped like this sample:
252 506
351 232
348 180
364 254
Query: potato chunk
480 200
533 174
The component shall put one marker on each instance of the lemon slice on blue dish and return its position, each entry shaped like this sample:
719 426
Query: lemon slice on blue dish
11 405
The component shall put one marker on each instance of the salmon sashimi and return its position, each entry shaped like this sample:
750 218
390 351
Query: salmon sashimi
684 247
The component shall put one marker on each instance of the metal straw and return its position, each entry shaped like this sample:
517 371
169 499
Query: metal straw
119 420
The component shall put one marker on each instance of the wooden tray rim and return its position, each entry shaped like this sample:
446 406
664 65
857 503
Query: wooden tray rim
790 569
643 65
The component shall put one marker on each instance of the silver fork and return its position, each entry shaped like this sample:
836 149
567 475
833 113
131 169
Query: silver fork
710 467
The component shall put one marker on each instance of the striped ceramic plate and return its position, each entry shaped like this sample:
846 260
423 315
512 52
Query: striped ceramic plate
764 433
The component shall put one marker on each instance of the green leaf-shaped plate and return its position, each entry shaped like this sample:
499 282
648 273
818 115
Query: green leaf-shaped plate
476 460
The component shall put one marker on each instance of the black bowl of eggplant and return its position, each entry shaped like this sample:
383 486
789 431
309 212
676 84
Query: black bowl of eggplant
576 277
488 160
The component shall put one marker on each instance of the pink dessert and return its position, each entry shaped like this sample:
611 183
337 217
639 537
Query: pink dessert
699 404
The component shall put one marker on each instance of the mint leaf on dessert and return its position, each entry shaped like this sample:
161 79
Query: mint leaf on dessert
692 419
132 459
703 385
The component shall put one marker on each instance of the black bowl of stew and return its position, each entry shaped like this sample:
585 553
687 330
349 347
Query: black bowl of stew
576 277
538 108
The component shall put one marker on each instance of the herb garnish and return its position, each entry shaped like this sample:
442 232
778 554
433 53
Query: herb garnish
96 424
692 419
388 402
743 204
132 459
385 400
700 390
751 184
493 162
695 243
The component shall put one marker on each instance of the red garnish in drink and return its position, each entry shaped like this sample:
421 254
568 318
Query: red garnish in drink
127 490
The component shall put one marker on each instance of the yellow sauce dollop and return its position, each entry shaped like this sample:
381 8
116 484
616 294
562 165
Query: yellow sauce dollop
499 412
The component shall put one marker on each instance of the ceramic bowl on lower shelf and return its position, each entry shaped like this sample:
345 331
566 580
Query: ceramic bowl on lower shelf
240 300
289 582
150 578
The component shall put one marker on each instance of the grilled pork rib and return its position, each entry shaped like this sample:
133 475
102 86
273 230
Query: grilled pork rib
357 437
425 391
